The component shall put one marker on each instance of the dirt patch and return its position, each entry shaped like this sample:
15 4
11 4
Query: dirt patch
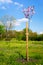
25 61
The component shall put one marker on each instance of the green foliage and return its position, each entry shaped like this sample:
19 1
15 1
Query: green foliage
7 19
21 35
40 37
14 52
2 29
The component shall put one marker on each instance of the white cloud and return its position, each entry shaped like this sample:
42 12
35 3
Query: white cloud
12 23
41 33
1 23
8 24
22 20
18 30
3 7
18 4
6 1
17 22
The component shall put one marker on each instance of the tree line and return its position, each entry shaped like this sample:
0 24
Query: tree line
19 35
7 33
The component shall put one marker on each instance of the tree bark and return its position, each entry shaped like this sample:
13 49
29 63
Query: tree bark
27 41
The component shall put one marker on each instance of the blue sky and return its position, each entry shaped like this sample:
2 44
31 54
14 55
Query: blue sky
15 7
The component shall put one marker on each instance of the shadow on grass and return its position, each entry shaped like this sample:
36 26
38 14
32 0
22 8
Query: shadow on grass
31 59
20 55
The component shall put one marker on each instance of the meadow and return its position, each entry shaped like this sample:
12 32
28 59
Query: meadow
14 52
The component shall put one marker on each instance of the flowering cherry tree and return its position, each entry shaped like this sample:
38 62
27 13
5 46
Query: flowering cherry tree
28 14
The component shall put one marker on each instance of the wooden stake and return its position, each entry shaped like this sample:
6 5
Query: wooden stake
27 41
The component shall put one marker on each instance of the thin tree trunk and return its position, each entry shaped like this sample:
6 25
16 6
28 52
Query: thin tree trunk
27 41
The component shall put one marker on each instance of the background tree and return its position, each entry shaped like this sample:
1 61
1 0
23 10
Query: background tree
8 23
2 30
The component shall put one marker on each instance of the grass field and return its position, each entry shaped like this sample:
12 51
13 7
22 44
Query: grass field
14 52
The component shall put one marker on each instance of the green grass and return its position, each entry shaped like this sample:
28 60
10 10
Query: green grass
14 52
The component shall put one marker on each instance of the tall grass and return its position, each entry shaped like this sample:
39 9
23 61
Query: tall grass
14 52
